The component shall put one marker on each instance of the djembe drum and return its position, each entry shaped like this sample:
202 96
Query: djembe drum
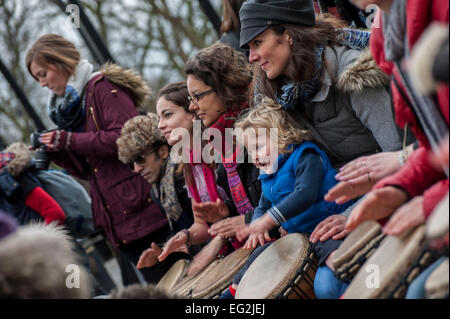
394 265
286 269
357 247
220 277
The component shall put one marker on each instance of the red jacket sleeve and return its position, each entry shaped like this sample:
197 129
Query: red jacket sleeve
41 202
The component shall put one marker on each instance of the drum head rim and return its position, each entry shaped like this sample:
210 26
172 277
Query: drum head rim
289 273
212 286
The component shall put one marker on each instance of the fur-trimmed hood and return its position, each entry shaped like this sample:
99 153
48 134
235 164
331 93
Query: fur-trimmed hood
129 79
22 159
38 262
364 73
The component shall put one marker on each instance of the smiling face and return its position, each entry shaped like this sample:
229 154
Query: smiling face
271 52
209 108
172 116
50 77
259 147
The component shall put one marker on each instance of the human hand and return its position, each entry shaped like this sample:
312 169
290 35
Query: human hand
360 175
406 217
282 231
228 227
376 205
258 232
331 227
210 211
57 140
173 244
205 256
149 257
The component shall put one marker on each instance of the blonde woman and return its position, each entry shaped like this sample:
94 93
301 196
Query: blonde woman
293 185
89 108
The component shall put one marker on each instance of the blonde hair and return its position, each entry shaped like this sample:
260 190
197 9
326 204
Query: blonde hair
270 115
53 49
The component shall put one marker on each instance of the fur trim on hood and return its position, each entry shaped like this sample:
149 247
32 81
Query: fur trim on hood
21 160
129 79
38 262
138 291
364 73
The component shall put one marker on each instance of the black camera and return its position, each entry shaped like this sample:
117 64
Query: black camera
42 158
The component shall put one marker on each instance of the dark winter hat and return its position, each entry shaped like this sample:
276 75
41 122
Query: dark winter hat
257 15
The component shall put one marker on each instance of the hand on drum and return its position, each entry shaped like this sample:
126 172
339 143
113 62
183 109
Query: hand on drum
406 217
259 232
358 177
149 257
228 227
378 204
210 211
331 227
205 256
175 243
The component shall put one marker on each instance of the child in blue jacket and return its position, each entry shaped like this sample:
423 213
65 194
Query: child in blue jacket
295 175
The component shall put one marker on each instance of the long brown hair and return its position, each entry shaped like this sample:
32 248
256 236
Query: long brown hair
56 50
225 70
230 17
300 67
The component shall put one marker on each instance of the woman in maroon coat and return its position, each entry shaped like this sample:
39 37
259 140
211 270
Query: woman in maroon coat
89 108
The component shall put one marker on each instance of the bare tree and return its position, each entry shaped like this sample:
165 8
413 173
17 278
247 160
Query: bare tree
154 37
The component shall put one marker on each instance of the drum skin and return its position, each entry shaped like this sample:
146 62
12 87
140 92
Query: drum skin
173 275
357 247
219 278
437 223
436 286
393 266
186 285
286 269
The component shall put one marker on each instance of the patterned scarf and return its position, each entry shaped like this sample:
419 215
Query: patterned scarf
230 163
68 111
292 93
166 191
210 181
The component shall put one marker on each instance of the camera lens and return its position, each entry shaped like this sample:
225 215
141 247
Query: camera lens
42 158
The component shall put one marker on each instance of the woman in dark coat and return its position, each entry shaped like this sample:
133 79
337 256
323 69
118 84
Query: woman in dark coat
89 109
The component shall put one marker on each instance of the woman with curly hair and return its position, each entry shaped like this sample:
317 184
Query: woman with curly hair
218 80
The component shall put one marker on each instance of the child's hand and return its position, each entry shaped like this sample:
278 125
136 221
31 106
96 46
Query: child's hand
256 239
259 231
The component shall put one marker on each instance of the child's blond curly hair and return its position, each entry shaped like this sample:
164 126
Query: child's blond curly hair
269 115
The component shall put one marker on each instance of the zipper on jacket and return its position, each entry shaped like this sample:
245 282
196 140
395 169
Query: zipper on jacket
93 117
